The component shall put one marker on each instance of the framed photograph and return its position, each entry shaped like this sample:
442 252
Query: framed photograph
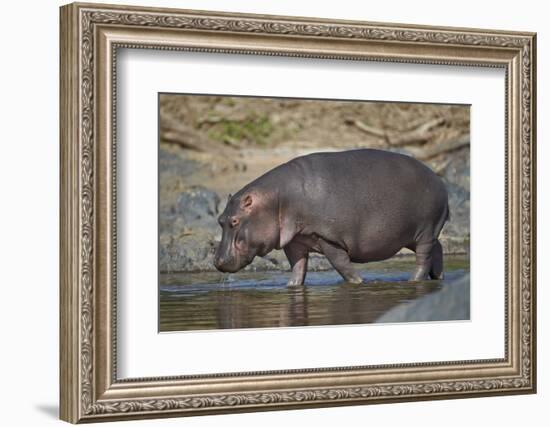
267 212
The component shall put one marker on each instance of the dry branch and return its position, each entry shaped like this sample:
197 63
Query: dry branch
416 135
178 133
422 133
368 129
443 147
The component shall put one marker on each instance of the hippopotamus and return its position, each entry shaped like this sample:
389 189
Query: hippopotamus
354 206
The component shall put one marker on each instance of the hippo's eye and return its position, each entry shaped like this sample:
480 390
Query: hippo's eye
234 222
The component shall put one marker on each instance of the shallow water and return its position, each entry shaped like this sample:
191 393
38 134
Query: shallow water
212 300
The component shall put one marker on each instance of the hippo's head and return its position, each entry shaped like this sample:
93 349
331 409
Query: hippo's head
250 227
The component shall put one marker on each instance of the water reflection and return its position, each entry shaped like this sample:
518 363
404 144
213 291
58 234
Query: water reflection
202 301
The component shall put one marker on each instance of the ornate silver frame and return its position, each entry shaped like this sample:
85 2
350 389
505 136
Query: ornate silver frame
90 36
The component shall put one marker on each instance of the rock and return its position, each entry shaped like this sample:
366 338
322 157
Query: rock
457 170
187 252
189 231
455 236
172 163
174 172
452 302
199 207
459 206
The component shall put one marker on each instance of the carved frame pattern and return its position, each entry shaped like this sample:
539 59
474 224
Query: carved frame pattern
80 400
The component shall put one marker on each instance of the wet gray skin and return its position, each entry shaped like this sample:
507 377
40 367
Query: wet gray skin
353 206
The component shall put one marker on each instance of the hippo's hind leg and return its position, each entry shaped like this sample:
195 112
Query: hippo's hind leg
297 255
436 271
340 260
429 261
423 261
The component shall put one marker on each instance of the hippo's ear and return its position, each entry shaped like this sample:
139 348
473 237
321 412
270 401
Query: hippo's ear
247 202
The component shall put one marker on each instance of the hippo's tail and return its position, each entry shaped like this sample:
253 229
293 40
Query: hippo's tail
444 218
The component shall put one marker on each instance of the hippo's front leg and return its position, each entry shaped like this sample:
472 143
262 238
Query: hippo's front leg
339 259
297 255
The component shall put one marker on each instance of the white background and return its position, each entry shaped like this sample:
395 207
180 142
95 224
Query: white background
145 353
29 172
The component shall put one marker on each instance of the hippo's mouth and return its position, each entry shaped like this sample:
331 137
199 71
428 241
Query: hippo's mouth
235 257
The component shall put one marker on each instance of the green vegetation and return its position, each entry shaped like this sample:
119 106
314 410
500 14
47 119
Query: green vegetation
253 129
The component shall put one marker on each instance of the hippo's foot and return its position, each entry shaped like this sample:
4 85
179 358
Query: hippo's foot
441 276
297 255
340 260
421 273
295 282
429 262
354 279
436 272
